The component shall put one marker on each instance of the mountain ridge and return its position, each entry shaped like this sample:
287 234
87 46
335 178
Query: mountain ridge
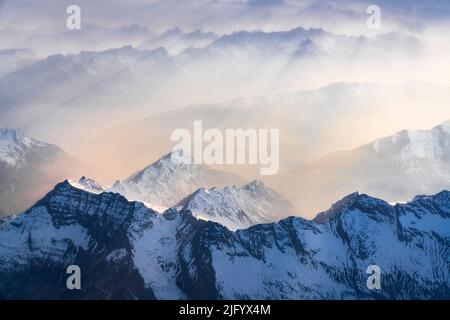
166 181
238 207
175 256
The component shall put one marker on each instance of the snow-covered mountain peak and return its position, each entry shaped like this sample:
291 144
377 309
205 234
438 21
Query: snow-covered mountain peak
430 144
258 188
395 168
170 163
87 184
238 207
352 202
309 49
15 136
440 200
29 168
168 180
126 56
257 184
177 40
178 32
337 207
445 126
443 195
73 193
14 145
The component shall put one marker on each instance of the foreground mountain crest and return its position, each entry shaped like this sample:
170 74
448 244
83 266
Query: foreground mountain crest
126 250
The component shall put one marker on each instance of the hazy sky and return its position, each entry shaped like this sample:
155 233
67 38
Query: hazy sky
225 15
390 59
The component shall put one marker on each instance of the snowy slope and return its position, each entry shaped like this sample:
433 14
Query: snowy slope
126 250
233 207
328 258
15 146
412 146
394 168
166 182
238 207
66 84
308 43
28 169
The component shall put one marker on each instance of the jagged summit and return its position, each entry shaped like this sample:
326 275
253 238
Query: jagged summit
172 161
436 204
255 185
87 184
367 204
418 143
354 201
337 208
169 179
16 149
14 146
28 169
238 207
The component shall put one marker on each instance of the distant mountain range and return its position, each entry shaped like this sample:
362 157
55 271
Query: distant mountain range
394 168
128 247
312 123
61 81
127 251
150 81
362 177
176 40
28 170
